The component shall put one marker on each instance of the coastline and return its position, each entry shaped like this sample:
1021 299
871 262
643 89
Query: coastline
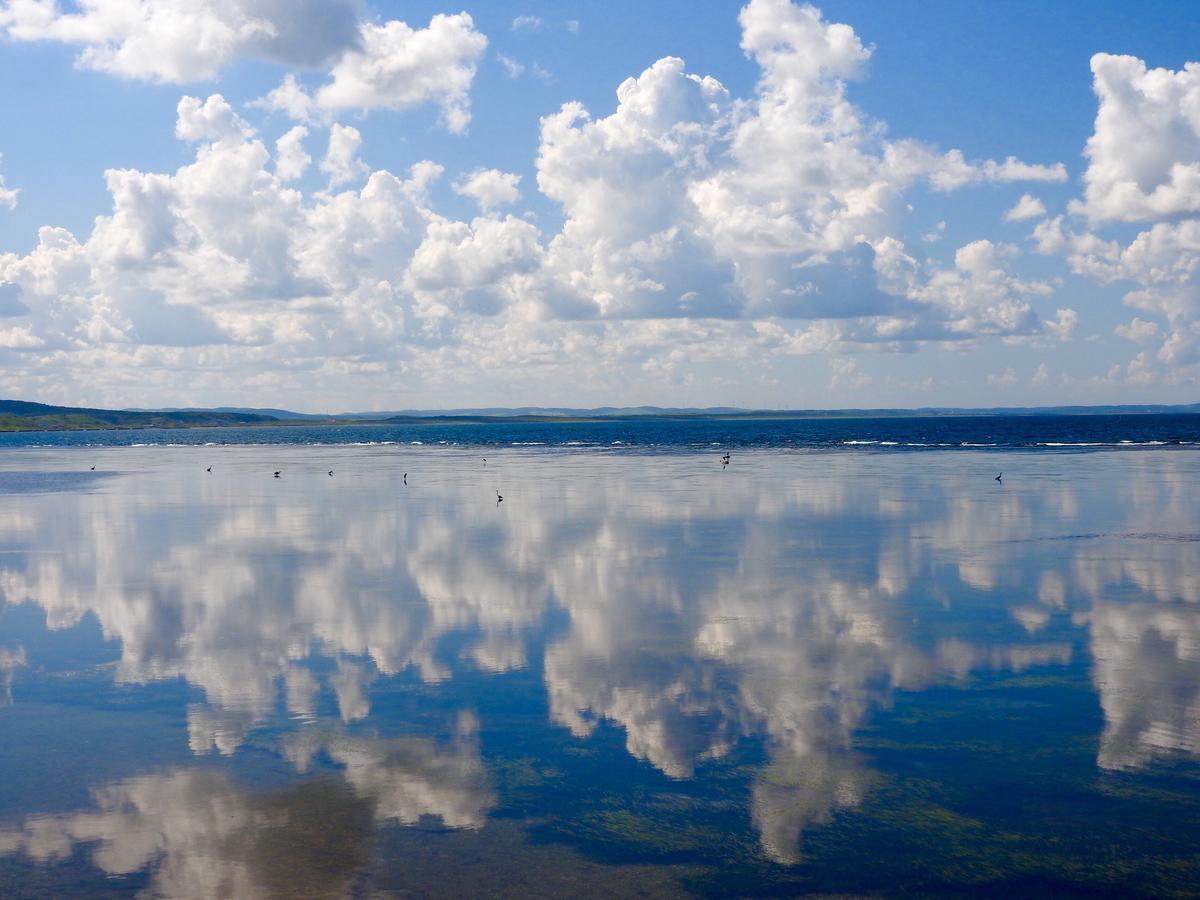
30 418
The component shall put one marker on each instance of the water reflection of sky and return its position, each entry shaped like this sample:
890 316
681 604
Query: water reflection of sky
380 656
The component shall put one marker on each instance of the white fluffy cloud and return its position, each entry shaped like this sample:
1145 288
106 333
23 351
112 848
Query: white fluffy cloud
1144 156
954 171
1138 330
341 162
372 65
182 41
1028 207
490 188
688 202
1143 166
399 67
291 161
289 98
697 228
212 120
1163 262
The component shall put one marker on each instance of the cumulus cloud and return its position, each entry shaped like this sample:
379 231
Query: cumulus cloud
1143 166
1028 207
289 98
181 41
290 159
1063 325
980 295
685 202
387 65
212 120
695 226
1137 330
954 171
1144 154
399 67
490 188
341 162
1163 262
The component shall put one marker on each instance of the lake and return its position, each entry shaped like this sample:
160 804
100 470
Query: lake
825 668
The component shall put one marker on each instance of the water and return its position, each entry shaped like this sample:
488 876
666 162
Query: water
645 434
836 671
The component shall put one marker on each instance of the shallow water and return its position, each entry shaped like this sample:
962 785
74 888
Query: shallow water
827 672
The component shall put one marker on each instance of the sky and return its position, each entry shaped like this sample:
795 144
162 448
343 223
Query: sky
334 205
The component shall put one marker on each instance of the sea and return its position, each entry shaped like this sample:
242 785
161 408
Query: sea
647 434
927 656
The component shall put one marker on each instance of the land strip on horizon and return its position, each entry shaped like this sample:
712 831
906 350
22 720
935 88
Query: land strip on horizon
21 415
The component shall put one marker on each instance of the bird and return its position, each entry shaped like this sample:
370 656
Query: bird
406 479
276 474
485 460
499 499
725 460
998 477
209 469
331 472
93 468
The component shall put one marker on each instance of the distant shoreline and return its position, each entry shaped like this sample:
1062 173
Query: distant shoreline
24 416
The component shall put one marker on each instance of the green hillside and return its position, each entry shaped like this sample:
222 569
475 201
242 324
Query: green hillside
19 415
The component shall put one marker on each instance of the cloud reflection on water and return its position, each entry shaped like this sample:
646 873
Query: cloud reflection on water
786 603
204 835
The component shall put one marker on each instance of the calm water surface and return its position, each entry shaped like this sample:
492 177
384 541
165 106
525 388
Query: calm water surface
641 674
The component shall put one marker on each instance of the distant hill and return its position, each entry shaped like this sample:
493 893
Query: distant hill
731 412
243 410
20 415
559 412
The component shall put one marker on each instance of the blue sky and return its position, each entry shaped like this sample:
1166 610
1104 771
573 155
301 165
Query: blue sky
856 204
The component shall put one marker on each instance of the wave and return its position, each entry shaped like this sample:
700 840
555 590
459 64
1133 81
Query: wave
651 435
